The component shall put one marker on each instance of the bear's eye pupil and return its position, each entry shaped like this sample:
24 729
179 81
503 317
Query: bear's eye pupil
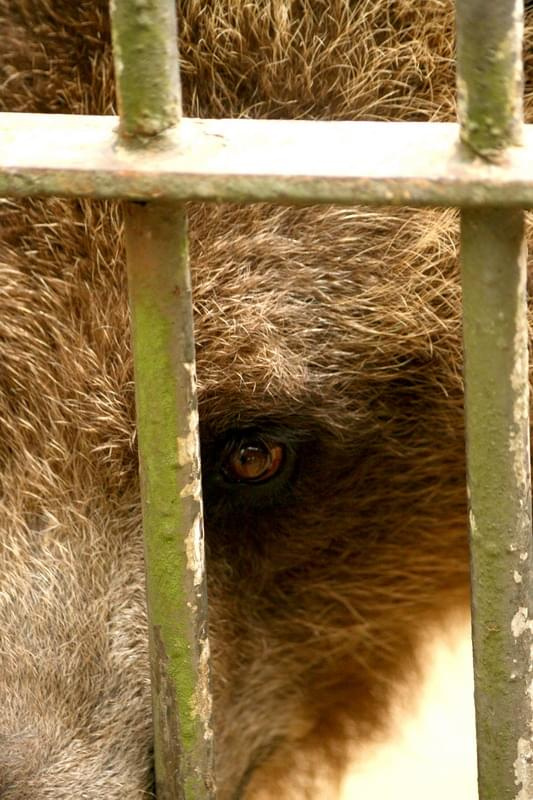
253 461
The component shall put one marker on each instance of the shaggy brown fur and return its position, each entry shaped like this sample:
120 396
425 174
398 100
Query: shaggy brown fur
336 331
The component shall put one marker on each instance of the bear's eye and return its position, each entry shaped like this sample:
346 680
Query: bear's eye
253 461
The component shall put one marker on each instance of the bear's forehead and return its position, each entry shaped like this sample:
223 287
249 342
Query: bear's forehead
319 310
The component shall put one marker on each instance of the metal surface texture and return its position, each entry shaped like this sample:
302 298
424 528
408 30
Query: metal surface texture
146 66
490 74
394 163
494 269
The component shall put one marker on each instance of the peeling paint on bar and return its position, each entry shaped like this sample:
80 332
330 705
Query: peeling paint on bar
496 402
519 622
260 160
494 268
522 767
146 66
167 421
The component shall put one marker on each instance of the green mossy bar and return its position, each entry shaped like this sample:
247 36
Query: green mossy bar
493 255
495 336
489 74
145 45
146 66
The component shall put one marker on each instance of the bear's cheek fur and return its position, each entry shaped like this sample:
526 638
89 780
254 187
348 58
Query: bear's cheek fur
325 587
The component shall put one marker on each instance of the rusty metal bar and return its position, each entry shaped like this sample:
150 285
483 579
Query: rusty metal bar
144 40
260 160
493 255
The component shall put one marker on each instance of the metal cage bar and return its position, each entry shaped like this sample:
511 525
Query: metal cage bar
246 160
493 257
146 65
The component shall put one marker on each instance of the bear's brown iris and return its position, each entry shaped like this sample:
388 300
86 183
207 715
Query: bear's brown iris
253 461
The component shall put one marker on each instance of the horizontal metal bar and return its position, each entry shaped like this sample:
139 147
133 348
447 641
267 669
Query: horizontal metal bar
239 160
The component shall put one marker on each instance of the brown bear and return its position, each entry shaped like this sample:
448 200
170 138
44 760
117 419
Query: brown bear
329 367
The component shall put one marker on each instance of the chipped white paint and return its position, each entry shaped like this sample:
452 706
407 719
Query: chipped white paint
117 53
188 444
190 368
519 622
472 519
202 701
523 765
462 97
522 769
194 548
191 489
188 458
519 435
515 37
519 447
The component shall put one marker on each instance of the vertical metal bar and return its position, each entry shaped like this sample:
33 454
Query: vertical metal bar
145 53
490 74
146 65
493 256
